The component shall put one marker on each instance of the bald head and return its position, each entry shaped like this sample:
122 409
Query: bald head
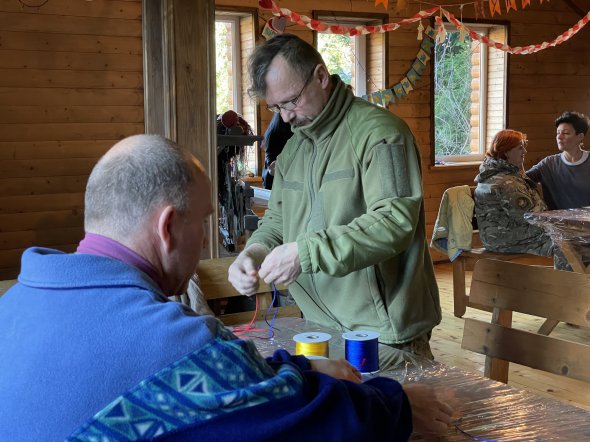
137 175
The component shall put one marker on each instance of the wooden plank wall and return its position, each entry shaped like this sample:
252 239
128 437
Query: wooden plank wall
540 87
70 86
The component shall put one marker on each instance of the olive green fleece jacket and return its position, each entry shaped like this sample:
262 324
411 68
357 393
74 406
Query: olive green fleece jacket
348 189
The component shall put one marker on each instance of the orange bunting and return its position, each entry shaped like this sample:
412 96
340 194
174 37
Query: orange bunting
495 7
525 3
511 4
385 3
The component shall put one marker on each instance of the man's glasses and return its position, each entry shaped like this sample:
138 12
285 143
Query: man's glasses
291 104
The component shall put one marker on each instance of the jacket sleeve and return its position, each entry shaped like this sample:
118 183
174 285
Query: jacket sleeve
535 173
392 187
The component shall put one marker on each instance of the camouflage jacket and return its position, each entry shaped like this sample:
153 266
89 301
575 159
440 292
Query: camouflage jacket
503 195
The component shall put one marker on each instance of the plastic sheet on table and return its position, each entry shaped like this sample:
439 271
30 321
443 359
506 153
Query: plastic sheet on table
569 224
485 410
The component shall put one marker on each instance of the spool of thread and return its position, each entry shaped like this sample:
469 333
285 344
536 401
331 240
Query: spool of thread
361 349
312 344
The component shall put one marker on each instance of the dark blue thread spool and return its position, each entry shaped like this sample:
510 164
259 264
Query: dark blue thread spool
361 349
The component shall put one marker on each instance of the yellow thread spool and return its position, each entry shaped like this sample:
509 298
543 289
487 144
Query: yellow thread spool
314 344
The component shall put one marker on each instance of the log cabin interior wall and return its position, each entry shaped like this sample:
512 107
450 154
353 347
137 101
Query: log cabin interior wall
71 84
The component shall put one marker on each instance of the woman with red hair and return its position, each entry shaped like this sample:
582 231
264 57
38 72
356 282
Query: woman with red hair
504 194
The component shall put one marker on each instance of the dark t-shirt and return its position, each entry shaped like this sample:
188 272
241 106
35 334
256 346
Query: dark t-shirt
275 138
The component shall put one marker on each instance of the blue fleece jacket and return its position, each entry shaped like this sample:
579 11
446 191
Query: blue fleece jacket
80 330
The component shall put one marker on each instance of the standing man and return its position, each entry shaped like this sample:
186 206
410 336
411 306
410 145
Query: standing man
345 224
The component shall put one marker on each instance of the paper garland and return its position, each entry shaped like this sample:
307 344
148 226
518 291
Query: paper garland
389 96
320 26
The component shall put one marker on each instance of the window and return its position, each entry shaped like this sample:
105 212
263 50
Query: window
234 41
359 61
469 94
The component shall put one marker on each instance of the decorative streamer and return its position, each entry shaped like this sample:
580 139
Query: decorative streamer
312 344
320 26
525 3
361 349
522 50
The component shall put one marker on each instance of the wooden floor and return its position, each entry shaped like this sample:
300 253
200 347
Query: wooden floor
446 346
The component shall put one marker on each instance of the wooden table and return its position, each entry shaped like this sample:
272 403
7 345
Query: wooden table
570 231
487 410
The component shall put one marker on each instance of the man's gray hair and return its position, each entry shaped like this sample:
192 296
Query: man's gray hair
143 172
300 55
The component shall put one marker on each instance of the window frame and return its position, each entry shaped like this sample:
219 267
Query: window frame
347 18
486 25
234 19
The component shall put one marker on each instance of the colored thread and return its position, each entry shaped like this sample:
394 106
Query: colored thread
315 344
272 322
241 330
361 349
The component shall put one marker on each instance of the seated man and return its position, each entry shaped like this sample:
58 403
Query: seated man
78 330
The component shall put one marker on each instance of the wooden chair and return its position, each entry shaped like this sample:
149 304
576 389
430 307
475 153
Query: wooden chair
505 287
465 262
215 286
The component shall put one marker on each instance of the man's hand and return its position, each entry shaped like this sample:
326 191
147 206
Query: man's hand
281 266
339 369
243 273
429 413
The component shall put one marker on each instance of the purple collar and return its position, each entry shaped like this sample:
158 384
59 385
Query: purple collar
99 245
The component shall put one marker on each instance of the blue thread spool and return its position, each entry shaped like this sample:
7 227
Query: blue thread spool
361 349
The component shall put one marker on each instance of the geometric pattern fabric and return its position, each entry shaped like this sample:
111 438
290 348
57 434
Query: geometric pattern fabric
225 375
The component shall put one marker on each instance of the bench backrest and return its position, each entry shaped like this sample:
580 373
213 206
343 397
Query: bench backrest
540 291
215 286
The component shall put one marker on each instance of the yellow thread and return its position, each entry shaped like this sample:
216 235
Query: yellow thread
312 349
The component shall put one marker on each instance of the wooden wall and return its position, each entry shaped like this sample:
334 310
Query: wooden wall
540 86
70 86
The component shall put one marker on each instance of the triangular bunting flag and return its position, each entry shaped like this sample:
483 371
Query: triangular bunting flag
418 66
407 85
423 57
377 98
413 76
495 7
385 3
427 45
525 3
430 32
399 91
388 97
511 4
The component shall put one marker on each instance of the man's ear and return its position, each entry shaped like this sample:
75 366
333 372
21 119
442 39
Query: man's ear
165 227
323 76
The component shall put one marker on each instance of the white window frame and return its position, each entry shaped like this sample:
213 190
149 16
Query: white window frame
482 29
234 19
360 49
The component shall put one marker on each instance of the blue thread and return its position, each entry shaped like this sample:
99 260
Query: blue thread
272 322
361 349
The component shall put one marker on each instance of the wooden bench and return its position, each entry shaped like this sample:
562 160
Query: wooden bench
216 288
505 287
465 262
